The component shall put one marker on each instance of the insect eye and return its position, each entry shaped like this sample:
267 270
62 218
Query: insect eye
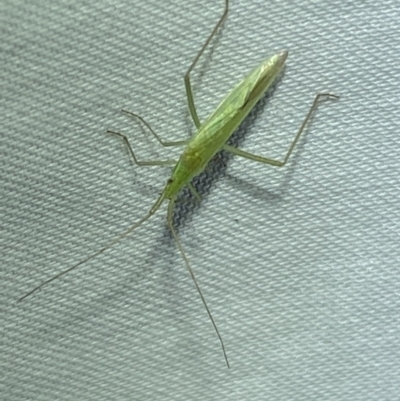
170 181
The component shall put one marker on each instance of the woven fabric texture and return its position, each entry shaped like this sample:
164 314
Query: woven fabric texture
299 265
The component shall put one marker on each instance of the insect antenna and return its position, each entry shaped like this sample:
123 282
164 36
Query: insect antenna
187 264
119 238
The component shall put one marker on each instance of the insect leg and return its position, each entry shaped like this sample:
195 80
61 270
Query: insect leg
142 162
143 121
279 163
187 264
194 191
188 85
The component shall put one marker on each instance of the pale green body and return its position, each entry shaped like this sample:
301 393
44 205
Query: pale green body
210 138
221 124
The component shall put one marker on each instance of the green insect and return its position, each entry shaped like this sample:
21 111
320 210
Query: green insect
210 138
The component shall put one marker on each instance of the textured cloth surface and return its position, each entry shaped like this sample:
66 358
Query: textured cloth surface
299 265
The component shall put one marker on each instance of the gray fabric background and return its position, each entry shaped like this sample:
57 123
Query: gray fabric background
299 265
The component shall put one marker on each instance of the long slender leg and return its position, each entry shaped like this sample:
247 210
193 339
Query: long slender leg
142 162
188 85
194 191
279 163
163 143
187 264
